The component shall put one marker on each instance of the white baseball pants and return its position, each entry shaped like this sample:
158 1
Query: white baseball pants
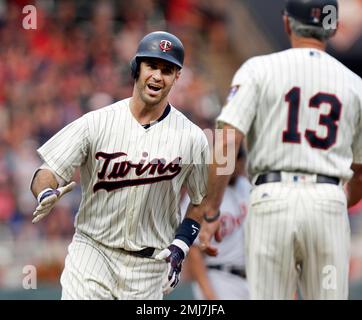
297 234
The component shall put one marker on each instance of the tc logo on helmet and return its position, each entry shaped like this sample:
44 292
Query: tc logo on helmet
165 45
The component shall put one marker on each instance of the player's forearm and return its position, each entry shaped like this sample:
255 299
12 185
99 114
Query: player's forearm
354 186
354 195
194 213
220 171
354 191
215 187
43 179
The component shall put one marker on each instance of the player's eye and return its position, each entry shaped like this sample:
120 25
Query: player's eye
167 70
153 66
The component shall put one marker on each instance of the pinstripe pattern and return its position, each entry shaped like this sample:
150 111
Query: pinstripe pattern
116 218
93 271
297 230
259 109
131 217
297 223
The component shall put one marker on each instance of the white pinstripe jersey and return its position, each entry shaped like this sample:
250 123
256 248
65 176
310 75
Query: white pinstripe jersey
130 176
301 110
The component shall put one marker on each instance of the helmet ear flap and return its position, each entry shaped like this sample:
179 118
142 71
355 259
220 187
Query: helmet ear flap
134 68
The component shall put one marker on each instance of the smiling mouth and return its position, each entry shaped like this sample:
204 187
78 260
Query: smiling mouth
153 88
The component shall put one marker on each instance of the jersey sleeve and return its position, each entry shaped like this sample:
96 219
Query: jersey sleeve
240 108
196 181
67 149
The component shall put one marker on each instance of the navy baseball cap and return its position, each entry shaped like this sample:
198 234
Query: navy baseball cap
310 12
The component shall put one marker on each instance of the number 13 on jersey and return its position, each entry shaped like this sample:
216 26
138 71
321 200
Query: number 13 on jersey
330 120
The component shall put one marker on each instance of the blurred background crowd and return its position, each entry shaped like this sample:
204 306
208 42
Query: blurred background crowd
77 60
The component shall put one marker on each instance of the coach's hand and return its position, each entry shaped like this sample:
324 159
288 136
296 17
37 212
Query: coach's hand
174 254
47 200
207 232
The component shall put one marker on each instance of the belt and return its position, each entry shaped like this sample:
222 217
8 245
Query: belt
276 176
144 253
233 270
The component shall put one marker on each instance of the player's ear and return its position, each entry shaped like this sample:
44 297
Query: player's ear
178 73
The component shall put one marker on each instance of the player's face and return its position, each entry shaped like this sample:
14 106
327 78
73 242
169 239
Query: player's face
155 80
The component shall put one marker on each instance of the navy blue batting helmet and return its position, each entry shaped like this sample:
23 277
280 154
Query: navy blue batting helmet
310 12
159 44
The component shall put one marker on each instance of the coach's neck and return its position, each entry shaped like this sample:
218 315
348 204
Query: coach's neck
301 42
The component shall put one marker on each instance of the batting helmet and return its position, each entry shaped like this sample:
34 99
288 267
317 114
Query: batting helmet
310 12
158 44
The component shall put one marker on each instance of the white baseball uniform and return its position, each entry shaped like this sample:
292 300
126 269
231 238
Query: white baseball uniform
226 271
301 112
131 177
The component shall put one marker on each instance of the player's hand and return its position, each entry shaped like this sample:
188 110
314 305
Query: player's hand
47 200
174 254
207 232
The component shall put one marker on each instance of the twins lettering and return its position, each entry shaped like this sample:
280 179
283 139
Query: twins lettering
165 171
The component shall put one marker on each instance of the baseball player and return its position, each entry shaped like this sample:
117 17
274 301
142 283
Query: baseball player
222 276
301 113
134 157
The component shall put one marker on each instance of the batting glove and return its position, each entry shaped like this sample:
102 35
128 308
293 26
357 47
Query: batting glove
174 254
47 200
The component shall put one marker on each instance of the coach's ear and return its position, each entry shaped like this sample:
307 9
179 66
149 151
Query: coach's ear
336 29
287 28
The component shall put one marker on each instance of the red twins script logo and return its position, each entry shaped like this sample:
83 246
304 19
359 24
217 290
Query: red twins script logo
165 45
122 169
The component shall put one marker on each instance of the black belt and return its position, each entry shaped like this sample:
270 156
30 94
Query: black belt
234 270
144 253
277 177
